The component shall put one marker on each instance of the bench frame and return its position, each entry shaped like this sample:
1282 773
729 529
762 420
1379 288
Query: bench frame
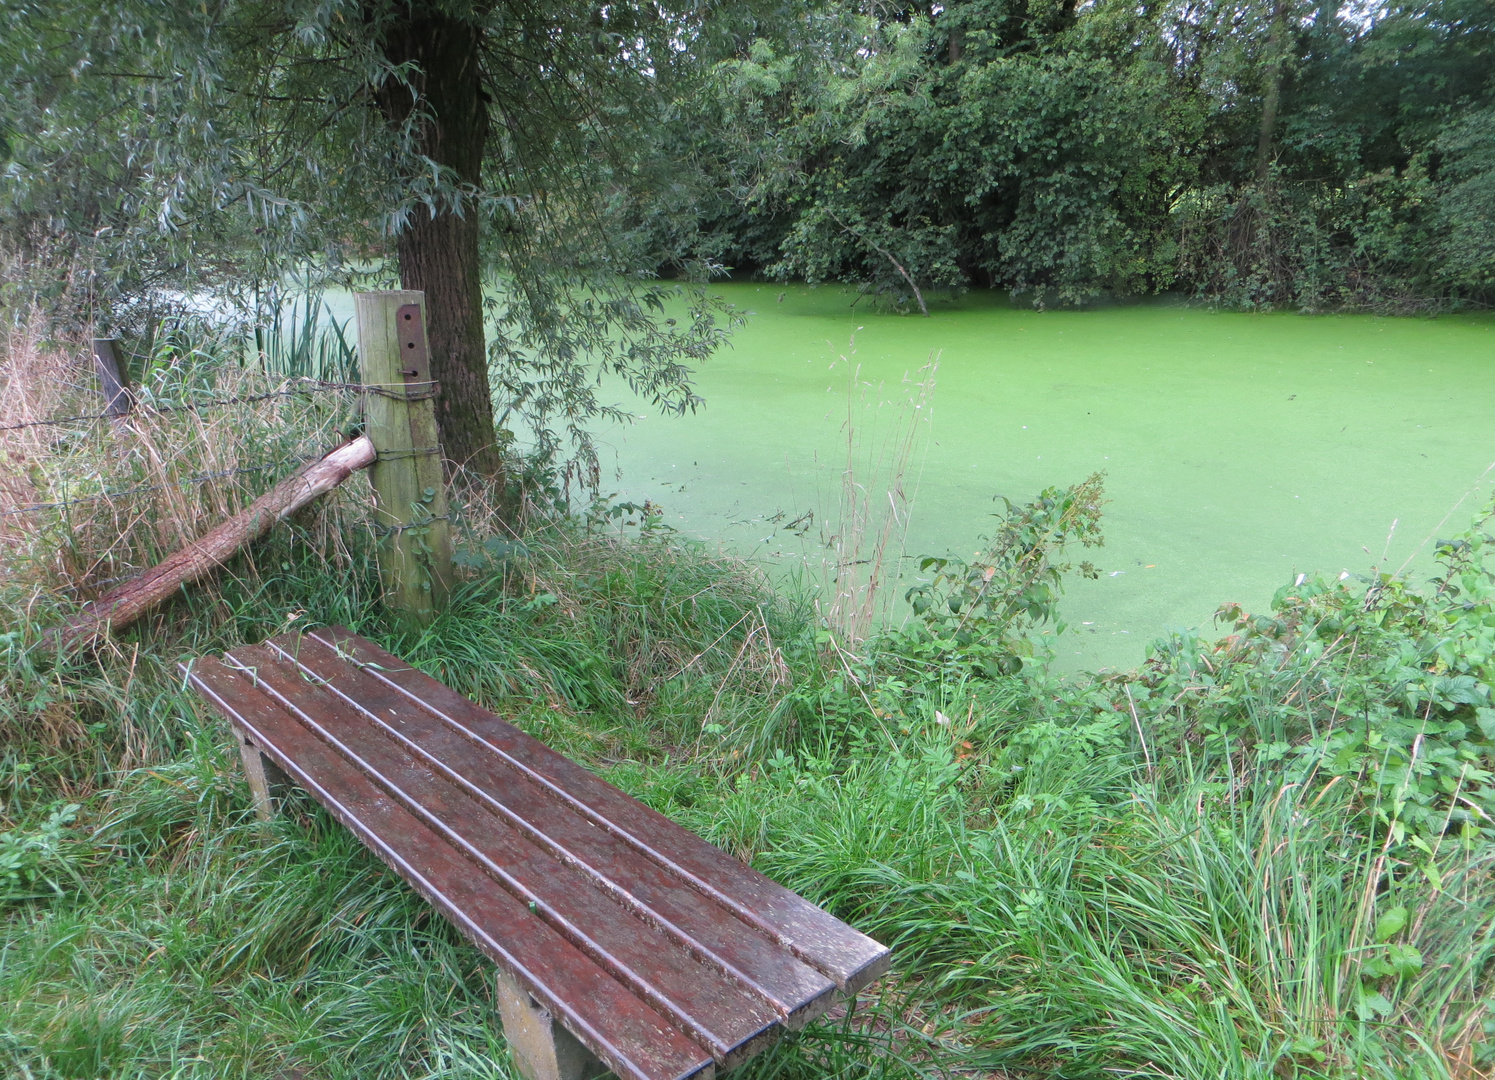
269 784
541 1045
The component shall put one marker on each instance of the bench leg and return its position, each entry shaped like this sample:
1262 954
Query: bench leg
268 782
542 1048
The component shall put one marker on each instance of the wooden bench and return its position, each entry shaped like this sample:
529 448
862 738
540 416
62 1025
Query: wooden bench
623 941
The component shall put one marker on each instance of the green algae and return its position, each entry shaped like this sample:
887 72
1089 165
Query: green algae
1239 449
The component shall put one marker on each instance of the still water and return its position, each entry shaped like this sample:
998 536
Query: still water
1239 449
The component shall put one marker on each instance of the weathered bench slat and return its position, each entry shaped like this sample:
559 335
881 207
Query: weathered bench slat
798 992
849 958
725 1016
665 957
634 1040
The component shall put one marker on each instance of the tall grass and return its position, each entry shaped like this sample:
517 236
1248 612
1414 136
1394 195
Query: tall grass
90 503
1152 875
1085 921
87 505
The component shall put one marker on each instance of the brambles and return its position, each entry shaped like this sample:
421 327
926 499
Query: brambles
979 614
1371 682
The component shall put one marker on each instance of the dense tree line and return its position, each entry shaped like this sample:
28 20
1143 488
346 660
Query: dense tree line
1285 152
537 167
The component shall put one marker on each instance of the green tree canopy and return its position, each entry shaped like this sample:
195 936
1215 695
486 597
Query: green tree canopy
1314 154
158 150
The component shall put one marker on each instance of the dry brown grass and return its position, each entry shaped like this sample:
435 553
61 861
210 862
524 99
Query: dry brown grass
85 505
875 499
34 384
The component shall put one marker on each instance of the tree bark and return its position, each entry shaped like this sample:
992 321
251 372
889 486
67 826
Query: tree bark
1276 45
438 249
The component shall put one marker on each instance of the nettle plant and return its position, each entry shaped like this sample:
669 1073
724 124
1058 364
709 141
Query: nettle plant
978 617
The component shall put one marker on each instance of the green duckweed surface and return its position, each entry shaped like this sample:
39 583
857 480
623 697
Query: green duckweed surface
1239 449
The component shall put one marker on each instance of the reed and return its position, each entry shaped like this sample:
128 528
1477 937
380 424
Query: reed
874 498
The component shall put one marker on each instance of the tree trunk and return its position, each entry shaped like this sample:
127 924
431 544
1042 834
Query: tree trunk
438 251
1276 44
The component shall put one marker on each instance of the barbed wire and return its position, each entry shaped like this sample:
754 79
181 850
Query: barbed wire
309 386
203 478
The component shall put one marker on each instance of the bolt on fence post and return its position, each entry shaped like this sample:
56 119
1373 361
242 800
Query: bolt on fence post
415 544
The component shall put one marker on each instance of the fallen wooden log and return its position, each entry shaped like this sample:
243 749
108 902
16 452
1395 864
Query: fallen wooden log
119 607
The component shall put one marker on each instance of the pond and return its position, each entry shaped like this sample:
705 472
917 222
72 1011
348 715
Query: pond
1239 449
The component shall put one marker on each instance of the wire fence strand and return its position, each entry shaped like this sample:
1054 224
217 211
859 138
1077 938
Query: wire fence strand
399 391
109 496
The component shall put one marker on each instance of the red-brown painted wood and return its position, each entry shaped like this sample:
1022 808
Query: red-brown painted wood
726 1017
847 956
634 1040
661 953
797 991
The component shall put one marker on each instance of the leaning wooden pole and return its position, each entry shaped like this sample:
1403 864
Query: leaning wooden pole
119 607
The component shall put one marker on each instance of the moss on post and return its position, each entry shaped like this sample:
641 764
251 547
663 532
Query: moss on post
415 549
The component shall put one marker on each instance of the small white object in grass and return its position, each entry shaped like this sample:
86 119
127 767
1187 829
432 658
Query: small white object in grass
1301 578
1343 574
941 718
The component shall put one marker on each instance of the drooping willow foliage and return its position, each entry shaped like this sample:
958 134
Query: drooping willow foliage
158 156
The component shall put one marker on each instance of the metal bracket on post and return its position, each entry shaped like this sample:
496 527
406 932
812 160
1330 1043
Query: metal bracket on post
411 517
412 331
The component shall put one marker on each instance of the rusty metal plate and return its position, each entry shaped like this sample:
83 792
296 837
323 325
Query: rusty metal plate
414 364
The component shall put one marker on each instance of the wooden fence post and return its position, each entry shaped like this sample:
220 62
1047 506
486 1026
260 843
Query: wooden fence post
415 547
113 381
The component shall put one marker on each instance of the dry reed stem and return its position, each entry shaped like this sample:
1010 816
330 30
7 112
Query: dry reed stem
874 503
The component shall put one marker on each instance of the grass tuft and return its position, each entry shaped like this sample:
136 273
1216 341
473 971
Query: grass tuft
1268 856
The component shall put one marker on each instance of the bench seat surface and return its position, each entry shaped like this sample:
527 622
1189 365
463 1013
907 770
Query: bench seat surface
663 955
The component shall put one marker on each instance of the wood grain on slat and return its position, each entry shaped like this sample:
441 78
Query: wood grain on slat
632 1038
714 932
729 1019
848 957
